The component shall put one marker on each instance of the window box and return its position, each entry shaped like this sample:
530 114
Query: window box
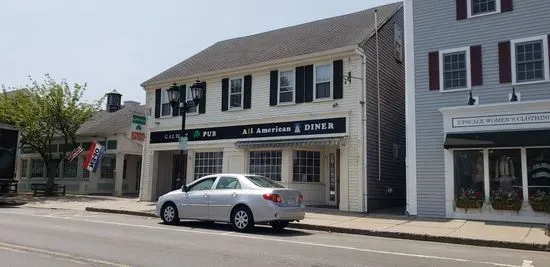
468 198
540 201
502 200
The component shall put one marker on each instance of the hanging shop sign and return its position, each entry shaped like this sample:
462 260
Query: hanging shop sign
508 119
278 129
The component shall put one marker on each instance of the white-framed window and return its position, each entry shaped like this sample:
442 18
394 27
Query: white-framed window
165 107
454 73
207 163
37 168
530 60
306 166
24 168
266 163
70 168
323 81
483 7
193 109
398 42
108 166
236 92
286 86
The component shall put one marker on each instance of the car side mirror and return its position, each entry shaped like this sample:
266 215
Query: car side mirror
184 188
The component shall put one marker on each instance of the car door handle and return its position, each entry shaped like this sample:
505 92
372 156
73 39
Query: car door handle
234 194
205 195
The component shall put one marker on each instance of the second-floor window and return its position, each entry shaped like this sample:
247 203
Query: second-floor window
286 86
323 79
529 61
479 7
236 93
455 70
166 108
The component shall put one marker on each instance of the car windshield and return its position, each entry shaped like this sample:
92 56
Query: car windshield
262 181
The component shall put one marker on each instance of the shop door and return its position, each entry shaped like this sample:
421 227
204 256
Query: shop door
179 171
334 178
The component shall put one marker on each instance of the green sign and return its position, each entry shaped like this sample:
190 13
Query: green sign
138 119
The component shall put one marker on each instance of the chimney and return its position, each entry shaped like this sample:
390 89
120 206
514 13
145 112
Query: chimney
113 101
129 103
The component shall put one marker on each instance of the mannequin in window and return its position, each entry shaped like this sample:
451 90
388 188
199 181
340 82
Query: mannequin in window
505 172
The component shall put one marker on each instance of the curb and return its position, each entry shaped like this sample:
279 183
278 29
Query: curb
386 234
126 212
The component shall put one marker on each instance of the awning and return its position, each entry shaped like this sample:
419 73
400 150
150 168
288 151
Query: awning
291 142
498 139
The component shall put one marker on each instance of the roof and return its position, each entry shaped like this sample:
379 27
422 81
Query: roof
107 123
317 36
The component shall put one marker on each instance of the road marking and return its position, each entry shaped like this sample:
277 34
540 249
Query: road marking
76 259
232 234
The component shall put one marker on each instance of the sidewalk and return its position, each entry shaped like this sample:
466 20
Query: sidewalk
494 234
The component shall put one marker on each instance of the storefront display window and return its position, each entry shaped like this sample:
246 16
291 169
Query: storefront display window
306 166
538 173
207 163
506 187
266 163
469 178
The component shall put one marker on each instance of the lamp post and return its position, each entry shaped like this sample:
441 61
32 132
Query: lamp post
178 99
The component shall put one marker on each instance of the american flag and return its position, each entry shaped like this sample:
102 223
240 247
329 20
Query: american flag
71 156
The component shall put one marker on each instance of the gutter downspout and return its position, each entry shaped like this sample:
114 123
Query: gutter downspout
363 102
378 94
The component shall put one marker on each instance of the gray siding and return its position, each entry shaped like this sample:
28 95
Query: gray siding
392 119
436 28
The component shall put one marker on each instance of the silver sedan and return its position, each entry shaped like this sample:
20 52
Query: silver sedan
239 199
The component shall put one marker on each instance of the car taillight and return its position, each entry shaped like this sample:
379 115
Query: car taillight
300 199
273 197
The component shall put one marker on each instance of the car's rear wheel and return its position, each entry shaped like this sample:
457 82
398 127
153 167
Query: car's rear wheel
242 219
169 213
279 225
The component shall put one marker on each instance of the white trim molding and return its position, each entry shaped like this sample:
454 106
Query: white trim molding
497 10
513 44
442 54
410 107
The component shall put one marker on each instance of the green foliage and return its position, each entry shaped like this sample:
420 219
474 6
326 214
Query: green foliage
44 112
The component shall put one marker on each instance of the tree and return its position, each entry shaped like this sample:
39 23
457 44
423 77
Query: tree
44 112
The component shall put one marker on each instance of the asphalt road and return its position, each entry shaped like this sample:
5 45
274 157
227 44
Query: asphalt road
40 237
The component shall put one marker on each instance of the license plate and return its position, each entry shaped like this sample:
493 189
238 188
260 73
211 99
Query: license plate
291 202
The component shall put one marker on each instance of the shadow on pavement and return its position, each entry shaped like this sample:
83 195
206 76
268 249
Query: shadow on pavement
22 199
260 229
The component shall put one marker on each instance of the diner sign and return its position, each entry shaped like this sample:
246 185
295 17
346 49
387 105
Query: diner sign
277 129
508 119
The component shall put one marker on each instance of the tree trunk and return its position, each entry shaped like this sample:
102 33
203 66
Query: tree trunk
50 168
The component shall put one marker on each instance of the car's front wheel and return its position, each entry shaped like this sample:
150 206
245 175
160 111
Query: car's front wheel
279 225
242 219
169 213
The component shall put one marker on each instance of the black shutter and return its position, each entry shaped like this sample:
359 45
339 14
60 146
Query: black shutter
202 102
273 87
476 62
504 62
225 93
337 75
158 96
461 9
247 101
308 95
506 5
300 79
433 70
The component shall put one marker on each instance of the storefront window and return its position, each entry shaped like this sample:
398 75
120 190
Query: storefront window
506 190
538 171
69 168
266 163
306 166
207 163
108 166
37 168
469 178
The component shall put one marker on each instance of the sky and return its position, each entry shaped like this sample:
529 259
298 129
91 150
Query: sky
118 44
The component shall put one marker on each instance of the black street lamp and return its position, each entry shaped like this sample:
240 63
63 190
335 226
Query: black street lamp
178 100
